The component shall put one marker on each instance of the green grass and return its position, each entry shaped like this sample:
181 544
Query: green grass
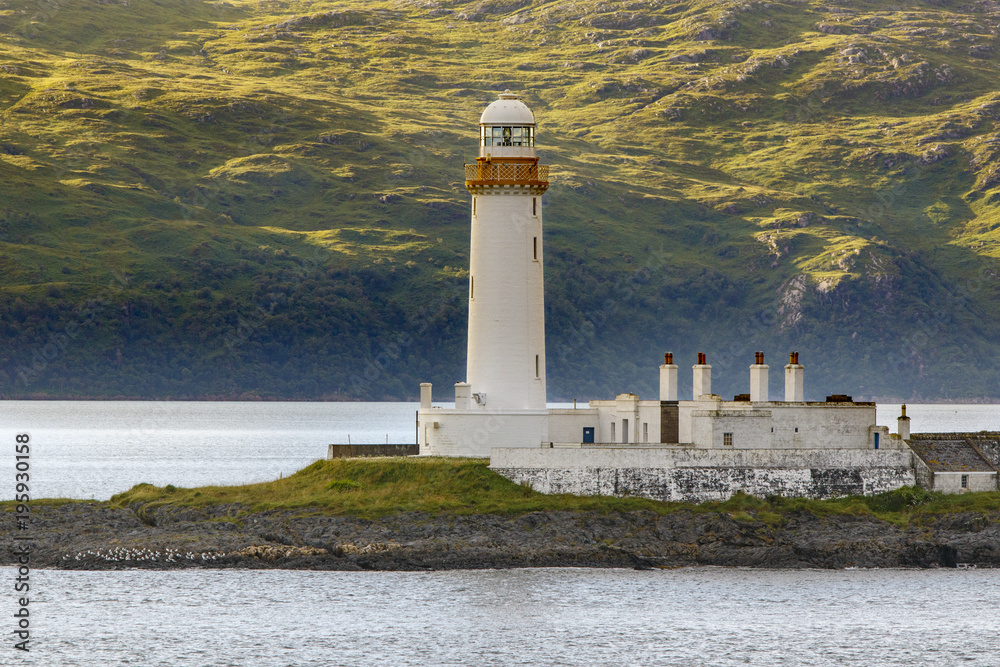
377 487
241 144
374 487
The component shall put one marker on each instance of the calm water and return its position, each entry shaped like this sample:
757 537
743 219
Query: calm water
691 616
94 449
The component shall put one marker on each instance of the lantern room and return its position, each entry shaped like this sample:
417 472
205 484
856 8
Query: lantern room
507 129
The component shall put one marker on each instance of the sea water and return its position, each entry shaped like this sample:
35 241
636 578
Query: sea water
688 616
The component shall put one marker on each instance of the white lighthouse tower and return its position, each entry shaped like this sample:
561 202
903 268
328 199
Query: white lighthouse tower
506 360
502 401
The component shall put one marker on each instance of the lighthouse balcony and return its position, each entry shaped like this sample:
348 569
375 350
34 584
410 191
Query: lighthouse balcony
506 173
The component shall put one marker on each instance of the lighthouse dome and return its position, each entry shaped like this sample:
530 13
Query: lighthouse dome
507 129
508 110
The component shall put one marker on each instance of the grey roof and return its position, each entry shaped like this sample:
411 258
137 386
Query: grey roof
950 454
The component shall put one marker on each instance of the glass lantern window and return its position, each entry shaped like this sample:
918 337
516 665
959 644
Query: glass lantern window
507 136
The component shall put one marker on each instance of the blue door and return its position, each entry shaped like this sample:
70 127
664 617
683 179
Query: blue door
876 441
588 434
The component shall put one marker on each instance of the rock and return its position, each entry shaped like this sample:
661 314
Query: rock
94 536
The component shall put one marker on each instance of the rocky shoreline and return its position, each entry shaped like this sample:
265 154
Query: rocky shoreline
93 536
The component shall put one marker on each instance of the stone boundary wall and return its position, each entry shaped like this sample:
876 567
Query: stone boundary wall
691 475
990 448
349 451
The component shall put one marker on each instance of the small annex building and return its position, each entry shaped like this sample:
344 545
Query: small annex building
956 462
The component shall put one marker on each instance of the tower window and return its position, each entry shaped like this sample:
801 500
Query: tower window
473 206
472 287
507 136
534 206
534 248
537 367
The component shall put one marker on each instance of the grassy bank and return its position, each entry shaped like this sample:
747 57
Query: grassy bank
375 487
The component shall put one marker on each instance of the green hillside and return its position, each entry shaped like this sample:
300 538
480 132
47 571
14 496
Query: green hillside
241 199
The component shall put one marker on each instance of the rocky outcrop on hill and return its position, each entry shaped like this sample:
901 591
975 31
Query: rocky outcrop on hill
95 536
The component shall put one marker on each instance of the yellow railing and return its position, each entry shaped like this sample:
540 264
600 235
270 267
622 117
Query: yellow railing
506 172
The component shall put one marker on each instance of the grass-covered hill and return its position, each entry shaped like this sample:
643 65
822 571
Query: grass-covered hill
266 198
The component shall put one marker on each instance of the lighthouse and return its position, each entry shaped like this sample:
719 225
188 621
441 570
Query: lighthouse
501 403
506 354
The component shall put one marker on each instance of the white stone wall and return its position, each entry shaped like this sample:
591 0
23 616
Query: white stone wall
773 425
698 475
675 456
625 406
475 432
749 429
648 422
951 482
566 426
989 447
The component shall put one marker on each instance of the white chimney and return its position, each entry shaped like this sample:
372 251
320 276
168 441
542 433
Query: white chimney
425 395
668 378
463 392
794 375
903 425
758 379
702 377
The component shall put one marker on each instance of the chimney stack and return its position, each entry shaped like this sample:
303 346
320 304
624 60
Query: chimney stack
903 425
794 378
668 378
758 379
702 377
425 395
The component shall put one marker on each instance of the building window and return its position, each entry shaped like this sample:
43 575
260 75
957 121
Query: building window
727 439
624 430
612 431
537 368
965 481
473 206
796 429
534 248
645 432
472 287
534 206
